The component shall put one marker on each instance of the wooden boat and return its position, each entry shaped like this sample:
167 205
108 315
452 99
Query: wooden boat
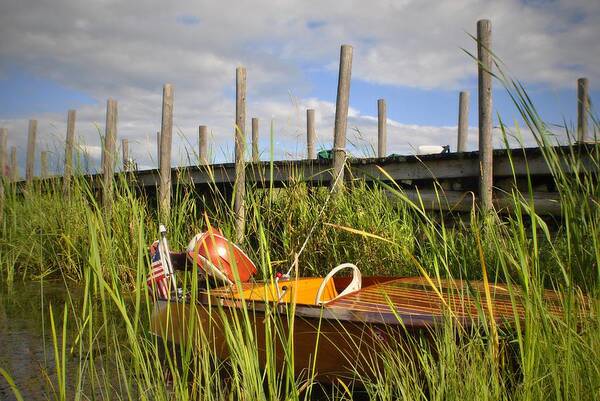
339 324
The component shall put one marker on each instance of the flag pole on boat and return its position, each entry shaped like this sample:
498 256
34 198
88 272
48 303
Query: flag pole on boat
166 257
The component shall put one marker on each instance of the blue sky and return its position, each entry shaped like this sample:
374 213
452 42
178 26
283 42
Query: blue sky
66 55
23 94
440 106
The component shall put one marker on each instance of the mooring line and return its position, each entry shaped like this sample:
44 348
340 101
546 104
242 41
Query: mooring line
312 229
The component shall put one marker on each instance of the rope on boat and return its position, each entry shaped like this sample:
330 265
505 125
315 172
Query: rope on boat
314 226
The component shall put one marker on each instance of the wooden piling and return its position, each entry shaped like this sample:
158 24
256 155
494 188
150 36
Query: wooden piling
463 121
341 117
310 134
44 164
110 138
381 128
484 43
255 157
203 145
69 142
14 166
583 109
166 133
240 140
125 154
30 160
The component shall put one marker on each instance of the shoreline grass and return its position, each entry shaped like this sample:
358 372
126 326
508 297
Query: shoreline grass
102 348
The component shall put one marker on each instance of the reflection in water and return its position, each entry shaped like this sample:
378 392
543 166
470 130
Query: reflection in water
26 349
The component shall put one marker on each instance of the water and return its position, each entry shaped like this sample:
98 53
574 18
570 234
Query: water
27 347
26 350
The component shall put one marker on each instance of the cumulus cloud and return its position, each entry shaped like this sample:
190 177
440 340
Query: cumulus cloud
127 50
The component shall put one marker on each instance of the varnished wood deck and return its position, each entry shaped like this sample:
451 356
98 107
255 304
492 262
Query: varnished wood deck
416 302
415 296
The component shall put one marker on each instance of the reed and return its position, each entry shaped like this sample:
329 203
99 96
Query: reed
103 349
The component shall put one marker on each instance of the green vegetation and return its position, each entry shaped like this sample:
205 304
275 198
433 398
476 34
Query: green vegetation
102 349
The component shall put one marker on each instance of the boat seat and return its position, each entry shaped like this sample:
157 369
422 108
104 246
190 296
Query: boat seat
302 290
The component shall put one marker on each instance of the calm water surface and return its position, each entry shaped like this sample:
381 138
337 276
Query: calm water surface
26 345
26 349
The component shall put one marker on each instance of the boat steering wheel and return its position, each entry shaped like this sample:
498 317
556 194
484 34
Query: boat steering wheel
354 285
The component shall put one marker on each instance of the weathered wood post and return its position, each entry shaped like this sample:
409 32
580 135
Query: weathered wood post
110 138
583 109
166 133
44 164
463 121
3 142
310 134
14 166
484 43
125 154
203 145
69 142
381 128
255 157
341 117
240 141
30 160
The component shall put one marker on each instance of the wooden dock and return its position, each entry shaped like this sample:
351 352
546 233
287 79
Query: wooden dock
441 181
447 181
456 167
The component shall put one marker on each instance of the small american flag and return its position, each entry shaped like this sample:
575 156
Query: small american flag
158 279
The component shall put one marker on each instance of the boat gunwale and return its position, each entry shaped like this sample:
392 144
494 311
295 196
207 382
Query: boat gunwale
342 309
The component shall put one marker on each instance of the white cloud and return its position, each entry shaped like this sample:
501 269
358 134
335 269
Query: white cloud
127 50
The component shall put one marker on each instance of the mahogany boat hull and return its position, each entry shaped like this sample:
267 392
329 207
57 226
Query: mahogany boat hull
345 337
324 347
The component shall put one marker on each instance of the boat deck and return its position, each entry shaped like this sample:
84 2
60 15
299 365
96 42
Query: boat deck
418 298
415 301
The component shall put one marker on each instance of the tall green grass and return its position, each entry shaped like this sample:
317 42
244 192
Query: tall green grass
103 331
